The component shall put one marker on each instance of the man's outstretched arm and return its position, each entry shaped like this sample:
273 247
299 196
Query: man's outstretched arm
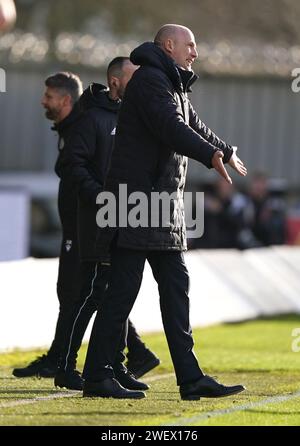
206 133
229 152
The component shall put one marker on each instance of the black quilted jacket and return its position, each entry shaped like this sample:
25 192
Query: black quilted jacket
157 131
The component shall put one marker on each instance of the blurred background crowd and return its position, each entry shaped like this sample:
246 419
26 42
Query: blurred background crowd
247 53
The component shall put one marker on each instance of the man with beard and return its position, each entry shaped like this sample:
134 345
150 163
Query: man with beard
60 101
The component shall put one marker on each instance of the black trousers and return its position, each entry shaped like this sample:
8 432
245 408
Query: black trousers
94 279
172 277
68 292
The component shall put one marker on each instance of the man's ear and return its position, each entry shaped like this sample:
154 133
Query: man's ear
114 82
67 100
169 45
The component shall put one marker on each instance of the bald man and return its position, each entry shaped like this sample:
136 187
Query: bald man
157 130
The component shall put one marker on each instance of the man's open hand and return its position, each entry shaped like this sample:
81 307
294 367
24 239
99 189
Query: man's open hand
234 162
237 164
217 164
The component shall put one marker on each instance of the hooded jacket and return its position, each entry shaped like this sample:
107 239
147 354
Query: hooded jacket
157 130
67 197
86 159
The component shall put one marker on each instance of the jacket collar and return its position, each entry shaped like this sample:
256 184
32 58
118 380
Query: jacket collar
187 78
150 54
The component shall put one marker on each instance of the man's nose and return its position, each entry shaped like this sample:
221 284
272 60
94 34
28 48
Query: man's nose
195 53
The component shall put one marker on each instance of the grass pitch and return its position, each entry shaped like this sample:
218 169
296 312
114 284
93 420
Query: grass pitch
257 354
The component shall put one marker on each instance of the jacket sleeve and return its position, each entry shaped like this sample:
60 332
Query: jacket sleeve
208 134
76 160
164 118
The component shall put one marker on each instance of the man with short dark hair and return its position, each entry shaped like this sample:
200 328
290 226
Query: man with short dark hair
157 130
63 90
60 101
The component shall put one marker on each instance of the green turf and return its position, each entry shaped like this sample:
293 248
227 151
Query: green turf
257 354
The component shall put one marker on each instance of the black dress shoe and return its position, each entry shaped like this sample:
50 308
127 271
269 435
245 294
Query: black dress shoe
109 388
127 380
69 379
207 387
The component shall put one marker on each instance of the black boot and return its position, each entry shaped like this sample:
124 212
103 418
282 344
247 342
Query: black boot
69 379
141 363
40 367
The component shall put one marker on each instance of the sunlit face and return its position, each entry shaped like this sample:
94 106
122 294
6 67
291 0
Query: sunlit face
183 49
127 72
53 101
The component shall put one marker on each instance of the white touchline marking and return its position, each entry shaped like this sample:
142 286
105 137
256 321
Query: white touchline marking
67 394
38 398
241 407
